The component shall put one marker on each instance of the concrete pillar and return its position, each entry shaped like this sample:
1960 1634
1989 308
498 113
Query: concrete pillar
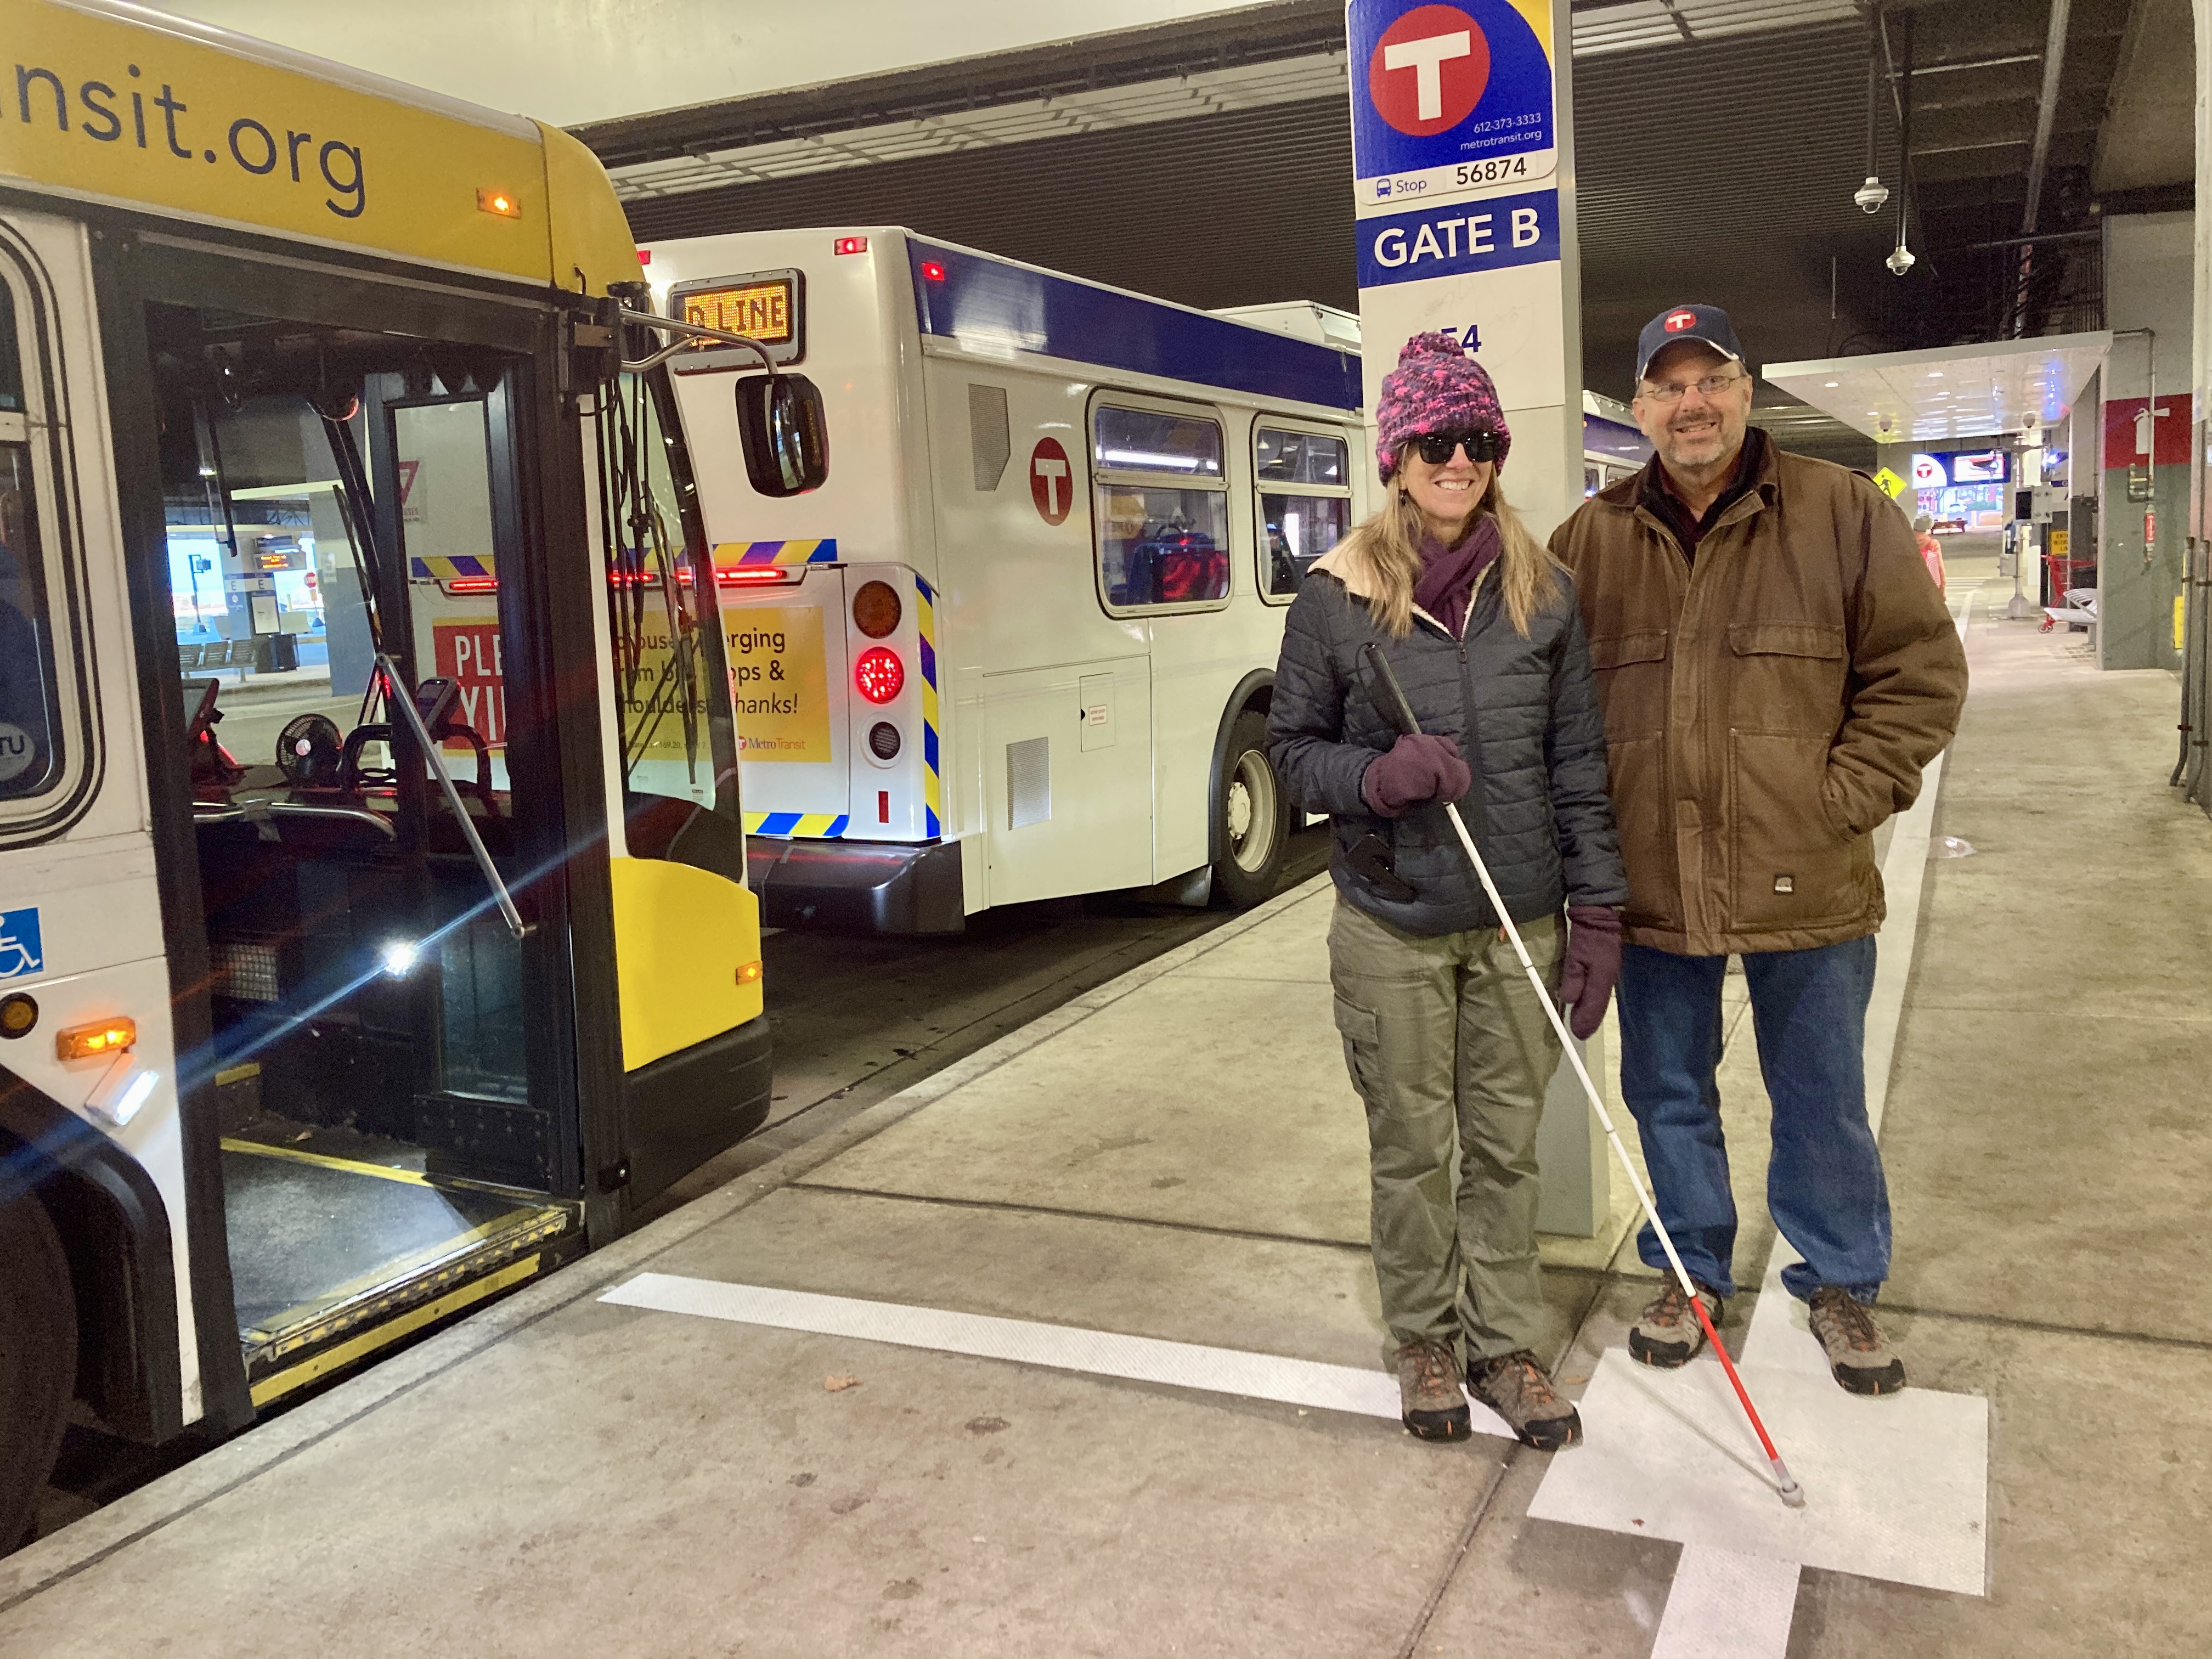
2143 489
2197 711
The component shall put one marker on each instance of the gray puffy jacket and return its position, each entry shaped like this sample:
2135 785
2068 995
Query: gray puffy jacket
1523 712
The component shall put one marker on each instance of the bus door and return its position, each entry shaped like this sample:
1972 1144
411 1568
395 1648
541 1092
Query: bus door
389 1065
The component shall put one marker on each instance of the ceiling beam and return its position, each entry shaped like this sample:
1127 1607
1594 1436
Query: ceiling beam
1266 33
2046 109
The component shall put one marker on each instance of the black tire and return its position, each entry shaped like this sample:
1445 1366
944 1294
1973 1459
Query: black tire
1251 816
38 1362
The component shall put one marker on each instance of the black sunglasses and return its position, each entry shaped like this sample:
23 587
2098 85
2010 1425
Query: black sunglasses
1436 447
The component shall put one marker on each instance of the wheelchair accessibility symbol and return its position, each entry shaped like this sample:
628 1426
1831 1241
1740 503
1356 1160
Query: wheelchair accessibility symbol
22 953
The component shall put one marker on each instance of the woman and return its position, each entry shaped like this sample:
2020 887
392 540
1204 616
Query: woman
1444 1034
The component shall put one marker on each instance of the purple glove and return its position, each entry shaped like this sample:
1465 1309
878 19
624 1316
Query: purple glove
1422 765
1593 965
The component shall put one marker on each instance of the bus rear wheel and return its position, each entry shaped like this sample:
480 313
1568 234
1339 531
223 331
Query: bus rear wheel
1251 816
38 1361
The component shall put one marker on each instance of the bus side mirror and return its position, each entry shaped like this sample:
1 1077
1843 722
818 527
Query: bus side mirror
784 433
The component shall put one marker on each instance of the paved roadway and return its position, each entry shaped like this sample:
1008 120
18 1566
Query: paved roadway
857 1019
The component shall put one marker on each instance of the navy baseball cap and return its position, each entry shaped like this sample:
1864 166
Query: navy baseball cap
1707 323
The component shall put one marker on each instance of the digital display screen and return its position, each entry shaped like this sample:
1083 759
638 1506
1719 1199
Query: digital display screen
1950 467
763 311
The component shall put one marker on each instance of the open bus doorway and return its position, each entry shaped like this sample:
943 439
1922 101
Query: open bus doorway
386 1152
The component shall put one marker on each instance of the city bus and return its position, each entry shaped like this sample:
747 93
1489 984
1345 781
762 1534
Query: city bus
1614 445
374 925
1022 645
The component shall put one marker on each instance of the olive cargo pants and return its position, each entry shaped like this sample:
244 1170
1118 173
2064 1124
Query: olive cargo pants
1451 1049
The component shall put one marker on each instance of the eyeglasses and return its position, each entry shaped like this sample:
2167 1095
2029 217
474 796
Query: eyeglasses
1711 386
1436 447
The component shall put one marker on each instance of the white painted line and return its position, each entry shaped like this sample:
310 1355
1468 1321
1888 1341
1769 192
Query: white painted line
1896 1488
1726 1605
1062 1347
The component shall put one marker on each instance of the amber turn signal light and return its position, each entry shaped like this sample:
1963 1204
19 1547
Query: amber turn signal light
750 973
876 609
499 202
18 1014
104 1037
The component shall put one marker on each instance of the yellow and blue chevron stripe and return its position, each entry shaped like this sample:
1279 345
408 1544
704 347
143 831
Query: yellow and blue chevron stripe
439 568
731 555
823 826
925 617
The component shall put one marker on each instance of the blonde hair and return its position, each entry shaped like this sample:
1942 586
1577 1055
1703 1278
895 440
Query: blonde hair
1389 541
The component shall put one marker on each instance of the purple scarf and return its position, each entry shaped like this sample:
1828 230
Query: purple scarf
1447 574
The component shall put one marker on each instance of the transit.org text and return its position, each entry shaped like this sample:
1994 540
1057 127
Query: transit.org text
97 111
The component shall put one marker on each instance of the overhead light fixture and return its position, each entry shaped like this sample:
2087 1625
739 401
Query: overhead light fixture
1901 258
1871 196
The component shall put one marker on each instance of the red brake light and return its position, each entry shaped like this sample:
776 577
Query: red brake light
473 585
932 271
849 245
752 575
880 674
645 256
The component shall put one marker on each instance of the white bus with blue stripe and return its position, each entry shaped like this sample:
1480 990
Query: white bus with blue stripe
1021 644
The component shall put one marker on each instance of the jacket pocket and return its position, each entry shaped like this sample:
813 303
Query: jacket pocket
1636 776
1786 677
1619 648
1789 863
1630 673
1775 639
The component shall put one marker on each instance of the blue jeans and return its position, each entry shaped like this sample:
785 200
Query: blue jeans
1824 1184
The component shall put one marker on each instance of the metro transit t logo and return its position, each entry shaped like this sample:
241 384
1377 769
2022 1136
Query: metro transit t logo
1052 489
1429 70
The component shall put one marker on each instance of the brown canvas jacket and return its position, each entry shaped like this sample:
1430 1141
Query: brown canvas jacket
1766 706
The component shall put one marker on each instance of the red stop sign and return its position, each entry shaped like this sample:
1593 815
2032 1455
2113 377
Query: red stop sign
1052 481
1429 70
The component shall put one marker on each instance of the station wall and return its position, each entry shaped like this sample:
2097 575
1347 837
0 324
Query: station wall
2149 283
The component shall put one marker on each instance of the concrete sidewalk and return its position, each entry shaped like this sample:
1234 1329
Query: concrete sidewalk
1178 1156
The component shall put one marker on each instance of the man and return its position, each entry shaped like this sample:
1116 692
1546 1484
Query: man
1775 669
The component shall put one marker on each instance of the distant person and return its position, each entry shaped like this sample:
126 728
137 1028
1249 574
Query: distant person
1923 533
1776 670
1446 1040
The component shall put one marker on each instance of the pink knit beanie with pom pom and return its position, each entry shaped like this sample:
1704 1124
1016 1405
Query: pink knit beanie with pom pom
1436 388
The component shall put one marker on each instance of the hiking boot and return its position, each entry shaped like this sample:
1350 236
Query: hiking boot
1668 1334
1515 1387
1431 1404
1858 1354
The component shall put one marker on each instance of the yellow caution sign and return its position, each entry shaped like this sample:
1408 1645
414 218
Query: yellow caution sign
1892 485
2180 620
